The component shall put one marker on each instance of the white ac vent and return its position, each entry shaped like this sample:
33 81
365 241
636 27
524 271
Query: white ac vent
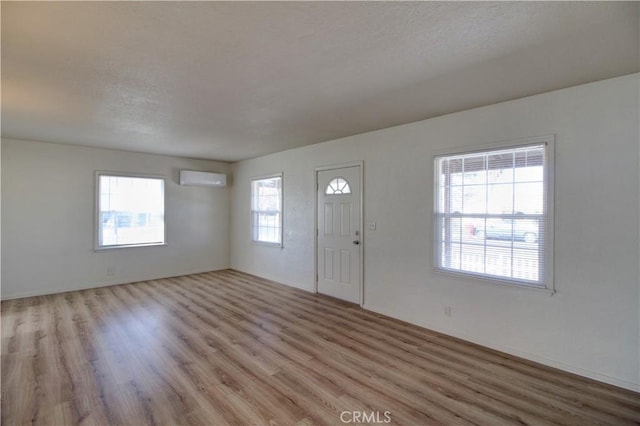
194 178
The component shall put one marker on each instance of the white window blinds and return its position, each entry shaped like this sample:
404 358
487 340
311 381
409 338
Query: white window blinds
492 215
266 209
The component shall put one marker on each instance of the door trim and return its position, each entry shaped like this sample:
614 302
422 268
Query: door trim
359 164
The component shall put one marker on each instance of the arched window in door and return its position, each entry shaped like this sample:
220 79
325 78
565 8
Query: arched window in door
338 186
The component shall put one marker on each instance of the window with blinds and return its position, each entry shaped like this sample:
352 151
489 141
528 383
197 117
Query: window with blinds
266 210
492 216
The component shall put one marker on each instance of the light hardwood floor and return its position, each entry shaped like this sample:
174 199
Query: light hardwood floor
230 348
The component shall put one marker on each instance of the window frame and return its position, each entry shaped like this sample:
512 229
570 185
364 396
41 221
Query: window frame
280 244
546 282
98 174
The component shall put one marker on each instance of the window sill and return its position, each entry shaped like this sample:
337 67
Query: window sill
473 278
267 244
125 246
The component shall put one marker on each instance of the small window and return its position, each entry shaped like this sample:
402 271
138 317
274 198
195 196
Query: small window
338 186
130 211
492 214
266 209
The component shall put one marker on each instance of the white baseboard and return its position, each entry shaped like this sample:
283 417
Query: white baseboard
278 280
633 386
49 291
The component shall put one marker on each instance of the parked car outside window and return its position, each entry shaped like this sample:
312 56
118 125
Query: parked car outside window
526 230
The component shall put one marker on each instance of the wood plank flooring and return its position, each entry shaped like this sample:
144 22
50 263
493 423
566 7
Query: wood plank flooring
230 348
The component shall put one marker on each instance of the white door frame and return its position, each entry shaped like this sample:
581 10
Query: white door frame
359 164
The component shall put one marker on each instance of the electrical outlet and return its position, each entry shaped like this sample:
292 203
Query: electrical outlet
447 311
372 226
111 271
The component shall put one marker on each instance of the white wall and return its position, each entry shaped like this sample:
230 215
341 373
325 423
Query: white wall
590 326
48 203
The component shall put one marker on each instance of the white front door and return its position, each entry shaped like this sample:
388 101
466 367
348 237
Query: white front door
339 233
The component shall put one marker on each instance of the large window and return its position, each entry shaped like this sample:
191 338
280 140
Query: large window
130 211
266 209
492 213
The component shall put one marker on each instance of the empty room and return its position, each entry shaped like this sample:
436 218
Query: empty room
320 213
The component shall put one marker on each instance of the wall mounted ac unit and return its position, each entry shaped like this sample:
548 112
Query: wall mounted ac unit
194 178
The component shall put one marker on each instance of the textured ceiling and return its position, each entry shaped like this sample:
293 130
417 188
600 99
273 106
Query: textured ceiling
235 80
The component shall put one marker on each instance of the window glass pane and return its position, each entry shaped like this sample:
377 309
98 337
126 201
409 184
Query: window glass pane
455 196
472 258
456 229
475 199
499 229
529 165
455 172
450 255
338 186
474 168
529 198
498 261
471 229
500 198
525 264
130 211
500 167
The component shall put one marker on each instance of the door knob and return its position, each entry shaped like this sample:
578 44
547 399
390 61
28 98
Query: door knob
356 242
